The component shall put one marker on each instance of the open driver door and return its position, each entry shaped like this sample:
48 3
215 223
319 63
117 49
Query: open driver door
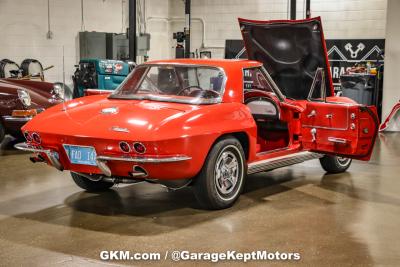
331 127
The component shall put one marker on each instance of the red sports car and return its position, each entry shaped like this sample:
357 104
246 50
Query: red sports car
209 123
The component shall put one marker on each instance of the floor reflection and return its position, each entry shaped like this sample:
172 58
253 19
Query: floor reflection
349 219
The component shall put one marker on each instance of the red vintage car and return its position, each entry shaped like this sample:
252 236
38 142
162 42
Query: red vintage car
209 123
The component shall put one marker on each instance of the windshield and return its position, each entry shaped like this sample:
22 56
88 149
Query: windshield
174 83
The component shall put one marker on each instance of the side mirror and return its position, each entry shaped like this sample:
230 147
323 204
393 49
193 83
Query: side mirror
318 88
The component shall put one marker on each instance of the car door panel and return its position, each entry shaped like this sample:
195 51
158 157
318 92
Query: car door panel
343 129
327 115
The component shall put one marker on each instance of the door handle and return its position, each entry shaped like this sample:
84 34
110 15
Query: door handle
313 132
313 113
329 116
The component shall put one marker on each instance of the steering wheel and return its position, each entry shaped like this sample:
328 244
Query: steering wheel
206 93
187 88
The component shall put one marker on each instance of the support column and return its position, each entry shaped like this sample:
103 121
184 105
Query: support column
132 30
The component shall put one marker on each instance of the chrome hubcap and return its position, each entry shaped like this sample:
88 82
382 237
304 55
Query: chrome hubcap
343 161
226 172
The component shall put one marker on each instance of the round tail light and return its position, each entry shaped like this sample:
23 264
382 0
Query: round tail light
139 148
124 146
28 137
36 138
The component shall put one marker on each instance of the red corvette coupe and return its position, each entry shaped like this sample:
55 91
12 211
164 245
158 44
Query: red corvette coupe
209 123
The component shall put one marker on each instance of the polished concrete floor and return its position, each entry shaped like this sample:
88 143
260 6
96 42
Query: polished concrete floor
349 219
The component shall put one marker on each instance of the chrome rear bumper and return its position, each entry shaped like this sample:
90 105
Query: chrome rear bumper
52 155
102 160
17 119
174 158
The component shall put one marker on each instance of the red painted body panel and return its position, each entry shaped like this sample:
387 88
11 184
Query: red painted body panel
353 127
182 129
164 128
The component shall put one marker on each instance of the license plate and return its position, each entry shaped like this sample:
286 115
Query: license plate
85 155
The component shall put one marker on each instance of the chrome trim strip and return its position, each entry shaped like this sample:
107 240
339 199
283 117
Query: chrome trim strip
29 148
282 161
175 158
337 140
52 155
326 128
272 151
17 119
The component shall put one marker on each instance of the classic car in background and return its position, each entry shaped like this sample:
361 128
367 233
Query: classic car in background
209 123
24 93
21 97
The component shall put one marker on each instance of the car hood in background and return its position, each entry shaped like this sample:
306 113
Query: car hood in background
291 51
40 98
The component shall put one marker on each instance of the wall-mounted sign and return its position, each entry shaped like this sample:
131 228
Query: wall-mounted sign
345 53
342 53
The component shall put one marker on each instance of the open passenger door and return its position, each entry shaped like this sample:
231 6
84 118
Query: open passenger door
345 129
294 54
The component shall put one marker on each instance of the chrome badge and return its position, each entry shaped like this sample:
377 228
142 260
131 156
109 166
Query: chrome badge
112 110
119 129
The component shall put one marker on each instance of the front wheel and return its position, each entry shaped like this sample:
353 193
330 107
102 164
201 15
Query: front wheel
89 185
221 179
335 164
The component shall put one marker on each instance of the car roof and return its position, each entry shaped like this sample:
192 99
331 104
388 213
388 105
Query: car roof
222 63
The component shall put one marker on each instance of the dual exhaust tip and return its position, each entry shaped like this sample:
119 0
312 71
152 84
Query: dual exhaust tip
138 172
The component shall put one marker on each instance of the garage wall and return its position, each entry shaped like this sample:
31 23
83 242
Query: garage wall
23 28
158 25
341 18
23 24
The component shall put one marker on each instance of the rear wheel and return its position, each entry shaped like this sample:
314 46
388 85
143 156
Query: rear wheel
221 179
89 185
335 164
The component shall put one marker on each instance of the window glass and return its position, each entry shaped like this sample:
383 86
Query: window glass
160 81
187 84
317 90
254 79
